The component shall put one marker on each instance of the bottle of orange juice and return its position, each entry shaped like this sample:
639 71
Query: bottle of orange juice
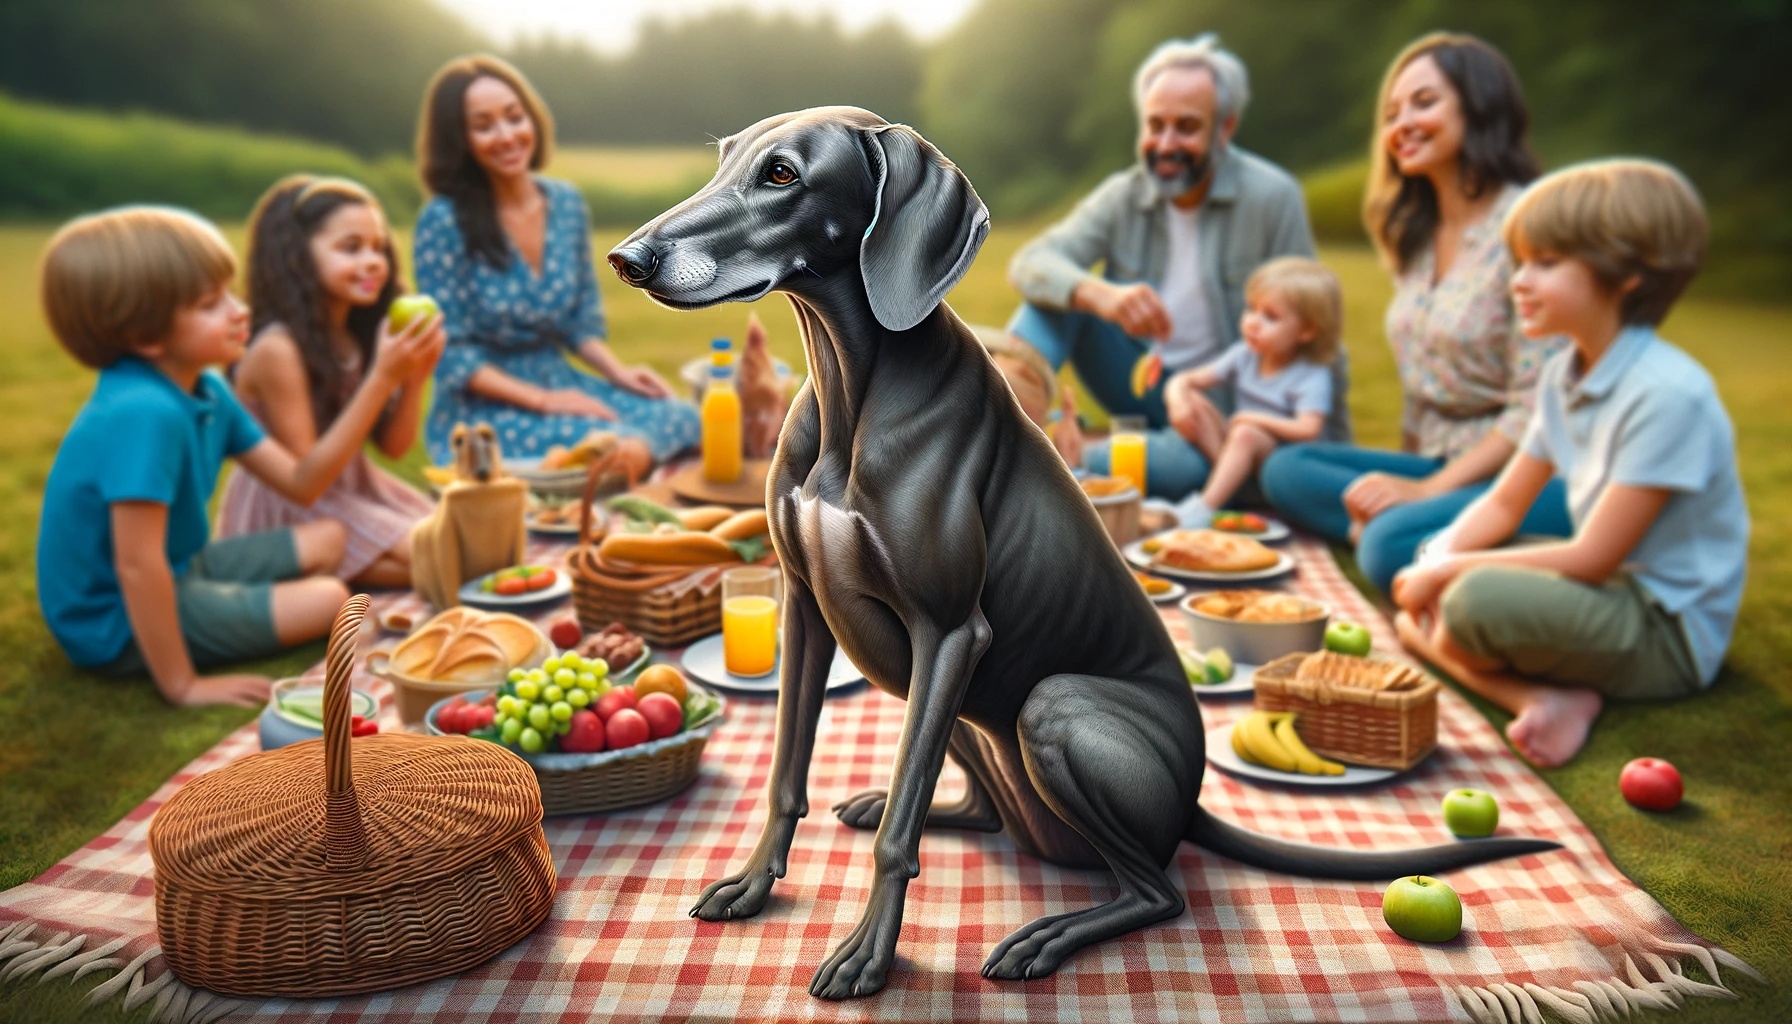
721 418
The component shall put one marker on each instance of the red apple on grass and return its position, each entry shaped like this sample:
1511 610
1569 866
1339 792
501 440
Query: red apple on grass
1423 909
1470 813
1651 783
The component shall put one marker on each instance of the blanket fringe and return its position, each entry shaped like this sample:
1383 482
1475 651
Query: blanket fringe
61 956
1612 999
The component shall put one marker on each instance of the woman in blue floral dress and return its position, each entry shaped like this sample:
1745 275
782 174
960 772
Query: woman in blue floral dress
507 255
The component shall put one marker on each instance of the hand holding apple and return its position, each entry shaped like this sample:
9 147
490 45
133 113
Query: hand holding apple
406 308
1423 909
1348 638
1651 783
1470 813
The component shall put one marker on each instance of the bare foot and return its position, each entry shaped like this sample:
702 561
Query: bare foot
1553 726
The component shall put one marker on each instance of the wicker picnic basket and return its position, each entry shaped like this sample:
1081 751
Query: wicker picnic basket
668 605
1379 728
332 867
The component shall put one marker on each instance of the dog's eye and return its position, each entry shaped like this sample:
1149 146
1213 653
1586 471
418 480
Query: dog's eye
780 173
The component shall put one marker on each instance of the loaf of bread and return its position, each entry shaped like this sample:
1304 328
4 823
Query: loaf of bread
465 645
1334 669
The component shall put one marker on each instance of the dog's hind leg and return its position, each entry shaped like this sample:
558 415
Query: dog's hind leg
809 652
1103 755
973 812
941 668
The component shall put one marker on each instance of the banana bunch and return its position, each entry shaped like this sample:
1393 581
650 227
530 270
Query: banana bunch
1267 738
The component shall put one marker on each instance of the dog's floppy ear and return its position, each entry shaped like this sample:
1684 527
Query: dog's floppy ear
925 230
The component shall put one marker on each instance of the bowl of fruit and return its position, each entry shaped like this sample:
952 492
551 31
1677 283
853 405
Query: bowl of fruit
595 745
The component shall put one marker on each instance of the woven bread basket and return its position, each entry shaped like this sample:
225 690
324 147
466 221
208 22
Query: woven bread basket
610 780
670 606
1380 728
332 867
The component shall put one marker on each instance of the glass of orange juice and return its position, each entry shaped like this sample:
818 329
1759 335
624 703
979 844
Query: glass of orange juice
750 600
1126 450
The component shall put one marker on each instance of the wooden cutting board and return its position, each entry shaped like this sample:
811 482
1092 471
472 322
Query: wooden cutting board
747 492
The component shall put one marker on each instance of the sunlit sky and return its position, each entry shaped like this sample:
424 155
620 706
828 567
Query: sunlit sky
610 25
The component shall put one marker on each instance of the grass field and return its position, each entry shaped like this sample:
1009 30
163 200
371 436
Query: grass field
637 169
81 751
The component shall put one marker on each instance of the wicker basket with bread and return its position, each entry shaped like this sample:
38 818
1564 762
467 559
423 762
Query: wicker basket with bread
459 650
1370 711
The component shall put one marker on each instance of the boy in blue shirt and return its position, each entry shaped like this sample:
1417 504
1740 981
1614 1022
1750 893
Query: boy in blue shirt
125 576
1640 603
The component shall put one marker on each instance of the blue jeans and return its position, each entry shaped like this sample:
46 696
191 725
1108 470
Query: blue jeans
1305 483
1103 356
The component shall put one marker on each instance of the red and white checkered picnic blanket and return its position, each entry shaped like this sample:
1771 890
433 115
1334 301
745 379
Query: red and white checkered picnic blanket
1563 930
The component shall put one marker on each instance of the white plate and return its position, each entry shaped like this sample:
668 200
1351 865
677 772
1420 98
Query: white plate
703 659
1243 681
569 481
1176 593
1219 752
1277 531
1135 554
470 594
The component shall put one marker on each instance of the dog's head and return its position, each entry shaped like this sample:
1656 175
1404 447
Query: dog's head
475 452
802 197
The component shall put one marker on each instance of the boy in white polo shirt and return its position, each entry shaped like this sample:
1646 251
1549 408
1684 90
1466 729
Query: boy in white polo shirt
1640 603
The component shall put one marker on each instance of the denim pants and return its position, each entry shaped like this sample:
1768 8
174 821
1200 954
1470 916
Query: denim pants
1103 356
1305 484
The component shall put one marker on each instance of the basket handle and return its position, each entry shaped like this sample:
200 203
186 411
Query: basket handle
345 838
594 472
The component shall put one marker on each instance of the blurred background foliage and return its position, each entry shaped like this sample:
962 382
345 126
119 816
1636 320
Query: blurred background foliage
1031 97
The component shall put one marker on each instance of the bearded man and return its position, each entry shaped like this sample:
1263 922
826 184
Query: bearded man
1176 235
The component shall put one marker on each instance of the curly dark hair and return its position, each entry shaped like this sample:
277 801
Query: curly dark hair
446 160
284 287
1401 212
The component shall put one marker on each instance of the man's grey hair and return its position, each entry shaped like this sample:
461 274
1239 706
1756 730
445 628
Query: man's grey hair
1231 85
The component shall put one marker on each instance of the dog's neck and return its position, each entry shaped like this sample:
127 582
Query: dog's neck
844 344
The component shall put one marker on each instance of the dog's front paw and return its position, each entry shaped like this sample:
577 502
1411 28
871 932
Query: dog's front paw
863 810
861 964
1032 952
741 895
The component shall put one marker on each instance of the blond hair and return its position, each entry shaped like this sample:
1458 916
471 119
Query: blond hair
113 281
1312 291
1625 219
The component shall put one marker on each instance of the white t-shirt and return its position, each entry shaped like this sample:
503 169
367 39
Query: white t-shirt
1184 294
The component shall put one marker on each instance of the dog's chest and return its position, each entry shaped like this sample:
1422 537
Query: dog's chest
842 554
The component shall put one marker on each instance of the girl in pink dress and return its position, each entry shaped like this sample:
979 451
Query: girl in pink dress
321 276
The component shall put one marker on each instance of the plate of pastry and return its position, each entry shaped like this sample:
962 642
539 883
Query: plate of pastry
1207 556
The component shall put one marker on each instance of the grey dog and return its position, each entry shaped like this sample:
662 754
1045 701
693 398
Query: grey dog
928 528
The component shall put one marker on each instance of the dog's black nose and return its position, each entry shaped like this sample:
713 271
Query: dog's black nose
635 262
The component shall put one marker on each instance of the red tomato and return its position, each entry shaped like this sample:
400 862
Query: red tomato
625 729
448 719
566 633
542 580
664 716
512 586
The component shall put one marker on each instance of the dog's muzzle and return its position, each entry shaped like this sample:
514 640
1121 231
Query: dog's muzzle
634 262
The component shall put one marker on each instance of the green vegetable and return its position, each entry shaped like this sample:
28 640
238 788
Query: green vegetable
640 508
750 550
699 707
1219 665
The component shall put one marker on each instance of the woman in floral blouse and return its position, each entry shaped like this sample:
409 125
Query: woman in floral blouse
507 255
1449 157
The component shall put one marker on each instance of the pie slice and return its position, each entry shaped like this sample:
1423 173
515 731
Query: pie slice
1214 551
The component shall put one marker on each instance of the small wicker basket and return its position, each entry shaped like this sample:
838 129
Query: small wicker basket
1380 728
613 779
670 606
332 867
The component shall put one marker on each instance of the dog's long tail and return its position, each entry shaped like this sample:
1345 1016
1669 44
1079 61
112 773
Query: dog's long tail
1247 847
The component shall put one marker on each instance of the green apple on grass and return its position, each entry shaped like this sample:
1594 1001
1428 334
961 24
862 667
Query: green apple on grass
1423 909
1470 813
1348 638
407 308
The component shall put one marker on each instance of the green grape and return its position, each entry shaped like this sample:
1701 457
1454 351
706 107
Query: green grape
551 666
566 677
500 718
507 705
531 741
510 730
528 689
587 680
538 677
578 698
539 716
602 687
516 674
561 710
598 667
552 694
562 728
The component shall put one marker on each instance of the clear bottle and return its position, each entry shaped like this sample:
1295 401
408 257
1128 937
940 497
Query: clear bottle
721 417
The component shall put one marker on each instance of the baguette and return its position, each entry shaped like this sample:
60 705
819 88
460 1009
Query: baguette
705 517
742 526
688 548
